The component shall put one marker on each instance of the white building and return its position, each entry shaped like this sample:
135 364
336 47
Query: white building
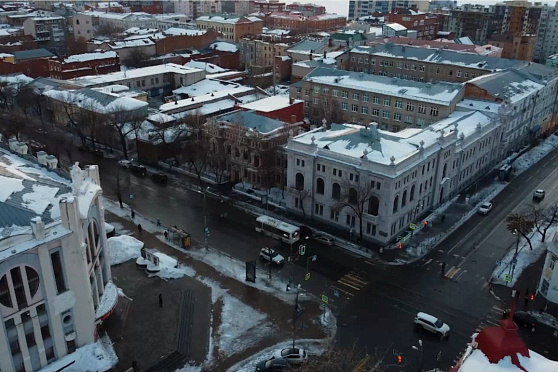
195 8
53 263
363 8
548 284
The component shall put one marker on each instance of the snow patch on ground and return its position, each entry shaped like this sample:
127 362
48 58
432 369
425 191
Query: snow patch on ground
123 248
525 257
477 361
99 356
535 154
169 270
545 318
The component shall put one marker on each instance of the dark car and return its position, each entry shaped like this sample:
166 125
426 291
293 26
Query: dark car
98 153
160 177
272 365
522 318
305 231
139 170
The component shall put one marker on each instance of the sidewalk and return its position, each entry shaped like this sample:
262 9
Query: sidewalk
277 313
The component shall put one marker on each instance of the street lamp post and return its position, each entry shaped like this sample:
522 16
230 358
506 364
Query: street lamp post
421 349
205 227
295 314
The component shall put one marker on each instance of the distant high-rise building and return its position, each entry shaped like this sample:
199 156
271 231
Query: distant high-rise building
196 8
363 8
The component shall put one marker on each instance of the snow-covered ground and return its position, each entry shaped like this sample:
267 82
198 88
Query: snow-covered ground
545 318
478 362
95 357
170 270
535 154
525 256
123 248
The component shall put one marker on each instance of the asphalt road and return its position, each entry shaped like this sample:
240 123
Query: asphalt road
375 304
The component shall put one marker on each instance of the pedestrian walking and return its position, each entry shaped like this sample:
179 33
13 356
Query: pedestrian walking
139 228
135 367
443 218
158 222
166 233
160 300
443 268
133 214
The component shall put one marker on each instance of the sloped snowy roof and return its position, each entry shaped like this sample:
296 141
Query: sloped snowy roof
442 93
477 361
175 31
208 67
395 26
133 43
224 47
208 86
269 104
253 121
508 85
97 101
90 56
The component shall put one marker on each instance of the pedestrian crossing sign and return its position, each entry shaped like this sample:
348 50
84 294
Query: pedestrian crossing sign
412 226
507 278
307 276
325 299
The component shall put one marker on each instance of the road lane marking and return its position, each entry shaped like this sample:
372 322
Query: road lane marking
342 290
462 272
427 262
451 272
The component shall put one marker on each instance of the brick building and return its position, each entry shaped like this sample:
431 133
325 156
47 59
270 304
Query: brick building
307 9
33 63
303 24
147 6
232 27
97 63
425 25
277 107
266 6
192 40
515 46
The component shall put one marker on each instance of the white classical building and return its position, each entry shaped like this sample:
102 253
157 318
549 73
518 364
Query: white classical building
548 284
53 263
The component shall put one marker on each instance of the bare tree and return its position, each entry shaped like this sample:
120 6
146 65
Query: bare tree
522 224
543 219
171 137
217 164
356 196
109 30
91 120
76 46
124 122
13 124
136 58
196 154
302 195
69 103
341 358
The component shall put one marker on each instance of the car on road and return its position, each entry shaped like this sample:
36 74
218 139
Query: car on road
432 324
295 356
539 194
139 170
98 153
125 163
324 239
524 319
271 255
159 177
485 208
272 365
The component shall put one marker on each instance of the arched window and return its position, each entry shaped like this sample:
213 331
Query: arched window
395 203
353 196
373 205
404 199
412 195
299 182
444 171
320 186
336 191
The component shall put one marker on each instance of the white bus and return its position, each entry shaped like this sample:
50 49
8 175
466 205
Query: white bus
277 229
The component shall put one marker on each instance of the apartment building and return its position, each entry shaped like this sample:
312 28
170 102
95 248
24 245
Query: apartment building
420 64
48 30
473 21
515 46
261 51
303 24
83 64
55 266
232 27
548 283
425 25
356 97
307 9
363 8
196 8
547 37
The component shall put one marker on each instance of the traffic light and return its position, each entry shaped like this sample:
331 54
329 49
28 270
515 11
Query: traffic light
532 297
400 245
425 223
399 359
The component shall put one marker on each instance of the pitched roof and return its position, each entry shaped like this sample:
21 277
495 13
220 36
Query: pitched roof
441 56
508 85
32 54
251 120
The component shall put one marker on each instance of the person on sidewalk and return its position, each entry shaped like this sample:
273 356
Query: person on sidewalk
133 214
443 268
166 233
158 222
160 300
443 218
140 228
135 367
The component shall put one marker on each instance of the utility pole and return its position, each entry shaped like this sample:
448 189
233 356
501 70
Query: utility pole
295 314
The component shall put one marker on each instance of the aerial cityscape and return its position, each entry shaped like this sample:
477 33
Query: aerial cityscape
267 185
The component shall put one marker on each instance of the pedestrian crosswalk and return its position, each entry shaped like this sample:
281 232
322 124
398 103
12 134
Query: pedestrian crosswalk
454 273
352 280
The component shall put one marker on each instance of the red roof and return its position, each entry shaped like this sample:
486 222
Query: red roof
501 341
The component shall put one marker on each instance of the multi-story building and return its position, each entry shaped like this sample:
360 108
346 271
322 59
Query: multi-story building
49 31
303 24
83 65
548 284
232 27
420 64
425 25
261 51
363 8
306 9
356 97
547 39
436 5
515 46
196 8
55 265
248 144
374 182
263 6
471 21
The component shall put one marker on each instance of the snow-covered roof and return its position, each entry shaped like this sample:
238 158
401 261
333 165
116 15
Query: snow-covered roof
353 140
510 85
226 19
115 77
175 31
252 121
223 46
477 361
395 26
378 31
441 93
484 106
210 68
15 79
136 16
97 101
208 109
208 86
133 43
90 56
141 31
269 104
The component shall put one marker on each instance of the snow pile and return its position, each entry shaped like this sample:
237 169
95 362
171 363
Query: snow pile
535 154
96 357
545 318
224 47
123 248
108 300
477 361
171 268
525 256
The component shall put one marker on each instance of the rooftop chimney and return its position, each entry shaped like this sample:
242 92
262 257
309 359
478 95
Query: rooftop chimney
38 228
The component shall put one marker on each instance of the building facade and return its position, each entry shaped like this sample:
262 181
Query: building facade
53 272
97 63
515 46
473 22
363 8
395 104
304 24
232 27
425 25
196 8
548 283
306 9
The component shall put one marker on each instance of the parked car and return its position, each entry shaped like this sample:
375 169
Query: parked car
539 194
324 239
432 324
524 319
139 170
160 177
98 153
485 208
271 255
305 231
125 163
272 365
294 356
